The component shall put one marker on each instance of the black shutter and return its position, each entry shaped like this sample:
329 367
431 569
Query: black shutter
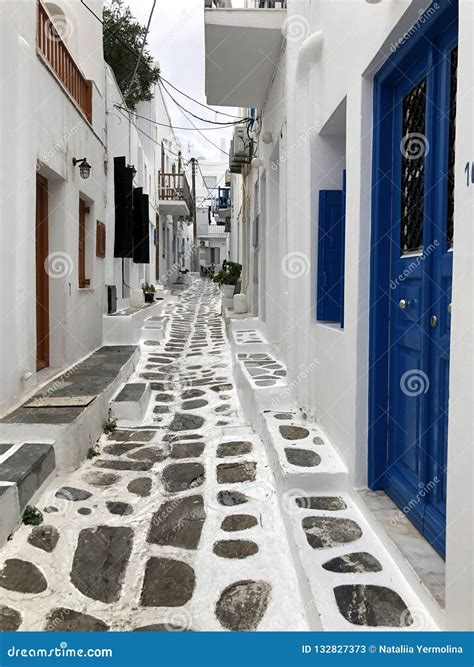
141 227
123 200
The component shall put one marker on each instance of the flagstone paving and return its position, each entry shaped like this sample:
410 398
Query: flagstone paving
174 524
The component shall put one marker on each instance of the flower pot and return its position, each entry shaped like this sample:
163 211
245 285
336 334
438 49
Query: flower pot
228 291
149 297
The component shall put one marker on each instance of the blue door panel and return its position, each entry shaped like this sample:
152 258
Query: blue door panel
330 255
413 203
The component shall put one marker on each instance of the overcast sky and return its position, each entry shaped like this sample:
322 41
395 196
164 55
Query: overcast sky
177 40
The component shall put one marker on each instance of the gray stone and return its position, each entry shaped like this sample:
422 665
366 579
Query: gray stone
167 583
234 448
140 486
229 473
304 458
236 522
155 454
284 415
242 605
182 476
360 561
96 478
323 532
10 619
235 548
231 498
293 432
72 494
118 507
50 509
192 393
164 398
178 523
118 464
373 606
62 619
132 436
186 422
194 404
318 441
84 511
161 409
121 448
222 387
28 468
22 576
326 503
100 561
132 391
44 537
187 450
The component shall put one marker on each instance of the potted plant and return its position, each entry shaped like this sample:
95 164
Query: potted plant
149 292
228 277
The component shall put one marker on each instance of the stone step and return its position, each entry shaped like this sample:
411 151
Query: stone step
354 579
153 333
131 401
301 453
24 470
156 322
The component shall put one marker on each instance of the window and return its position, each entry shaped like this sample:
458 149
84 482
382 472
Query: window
100 239
83 210
331 246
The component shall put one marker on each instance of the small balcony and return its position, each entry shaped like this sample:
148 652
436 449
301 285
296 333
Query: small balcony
174 194
243 40
54 52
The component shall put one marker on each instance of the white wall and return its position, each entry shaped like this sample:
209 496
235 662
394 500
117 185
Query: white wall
32 98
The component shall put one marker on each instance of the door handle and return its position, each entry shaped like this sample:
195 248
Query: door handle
403 304
433 321
450 307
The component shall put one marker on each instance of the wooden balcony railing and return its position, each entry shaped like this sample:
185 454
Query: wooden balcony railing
55 52
174 187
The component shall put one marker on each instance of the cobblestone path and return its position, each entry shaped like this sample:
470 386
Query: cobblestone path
175 524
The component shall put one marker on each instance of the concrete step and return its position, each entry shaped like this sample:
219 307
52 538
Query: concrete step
131 401
24 470
156 322
301 453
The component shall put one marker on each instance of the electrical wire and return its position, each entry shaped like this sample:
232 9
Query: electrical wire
158 143
132 50
173 127
202 135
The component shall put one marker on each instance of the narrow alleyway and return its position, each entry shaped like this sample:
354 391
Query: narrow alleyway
175 525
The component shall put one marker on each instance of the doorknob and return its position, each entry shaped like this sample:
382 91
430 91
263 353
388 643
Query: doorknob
403 304
434 321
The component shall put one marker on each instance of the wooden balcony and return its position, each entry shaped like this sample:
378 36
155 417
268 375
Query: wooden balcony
53 49
174 194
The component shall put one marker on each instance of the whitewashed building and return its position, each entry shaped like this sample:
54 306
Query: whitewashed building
355 233
63 132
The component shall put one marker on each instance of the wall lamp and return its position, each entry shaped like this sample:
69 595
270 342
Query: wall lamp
84 167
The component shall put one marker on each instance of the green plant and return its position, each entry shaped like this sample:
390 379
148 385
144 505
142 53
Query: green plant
92 453
32 516
148 288
121 29
110 425
229 275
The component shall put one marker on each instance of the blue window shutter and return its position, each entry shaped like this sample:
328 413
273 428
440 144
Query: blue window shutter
330 256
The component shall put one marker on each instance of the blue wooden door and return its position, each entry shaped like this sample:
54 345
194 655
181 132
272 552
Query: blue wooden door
421 251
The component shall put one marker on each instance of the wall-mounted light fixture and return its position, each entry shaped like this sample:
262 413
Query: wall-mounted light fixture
373 2
257 163
84 167
132 167
267 138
